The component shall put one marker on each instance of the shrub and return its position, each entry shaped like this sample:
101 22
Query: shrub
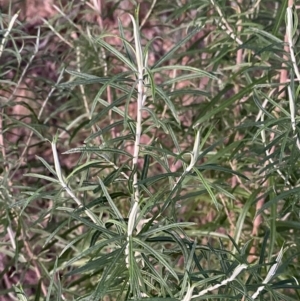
172 173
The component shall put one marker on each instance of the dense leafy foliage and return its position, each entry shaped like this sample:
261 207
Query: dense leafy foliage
155 158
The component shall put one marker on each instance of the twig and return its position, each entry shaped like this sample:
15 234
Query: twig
148 14
64 184
10 26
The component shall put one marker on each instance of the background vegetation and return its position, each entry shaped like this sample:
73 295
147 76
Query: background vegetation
149 150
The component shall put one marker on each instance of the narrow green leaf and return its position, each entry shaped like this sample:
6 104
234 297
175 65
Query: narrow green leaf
52 279
154 179
106 278
279 197
242 216
210 111
168 102
34 175
125 45
20 293
104 112
117 53
115 240
167 227
196 72
32 127
86 166
157 275
220 168
152 83
170 53
183 92
112 80
158 256
116 84
145 167
96 264
207 186
110 201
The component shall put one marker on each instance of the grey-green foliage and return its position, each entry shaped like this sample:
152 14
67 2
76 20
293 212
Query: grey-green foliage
160 163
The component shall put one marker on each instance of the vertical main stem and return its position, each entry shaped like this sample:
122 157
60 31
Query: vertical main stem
135 209
138 135
136 193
